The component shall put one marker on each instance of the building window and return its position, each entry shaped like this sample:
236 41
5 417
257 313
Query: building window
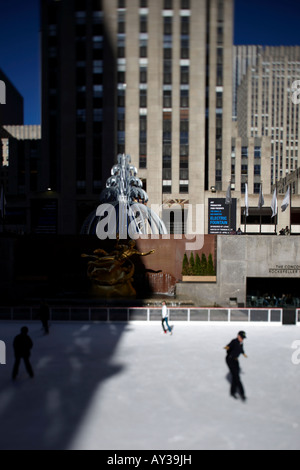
80 17
257 152
257 170
184 51
219 75
244 152
184 188
143 156
184 132
81 115
220 11
97 66
143 142
168 4
167 98
218 176
143 98
244 170
167 72
167 131
185 4
184 74
143 23
121 46
184 98
143 74
143 45
185 25
167 188
256 188
220 35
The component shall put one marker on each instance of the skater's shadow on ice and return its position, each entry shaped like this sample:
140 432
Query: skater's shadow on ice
228 376
71 365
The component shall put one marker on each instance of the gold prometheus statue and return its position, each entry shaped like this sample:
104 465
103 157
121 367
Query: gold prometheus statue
112 273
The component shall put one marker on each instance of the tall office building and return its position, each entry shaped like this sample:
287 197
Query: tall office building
149 78
267 115
243 58
12 112
265 106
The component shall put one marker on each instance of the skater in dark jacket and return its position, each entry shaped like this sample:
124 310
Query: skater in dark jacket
22 347
44 314
234 350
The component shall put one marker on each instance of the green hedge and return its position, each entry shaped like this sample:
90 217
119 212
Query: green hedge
194 266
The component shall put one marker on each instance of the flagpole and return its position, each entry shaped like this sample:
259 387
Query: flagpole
230 208
245 213
260 206
290 208
276 215
228 200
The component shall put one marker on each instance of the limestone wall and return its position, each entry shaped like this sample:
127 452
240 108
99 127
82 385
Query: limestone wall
240 257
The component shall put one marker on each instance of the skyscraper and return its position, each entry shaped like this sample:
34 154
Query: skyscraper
12 112
152 79
268 120
267 108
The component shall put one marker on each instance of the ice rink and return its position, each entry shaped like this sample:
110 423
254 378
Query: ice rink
127 386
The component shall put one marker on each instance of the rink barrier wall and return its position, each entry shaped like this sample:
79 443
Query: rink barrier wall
148 314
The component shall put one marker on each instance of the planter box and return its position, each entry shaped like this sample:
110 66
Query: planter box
199 278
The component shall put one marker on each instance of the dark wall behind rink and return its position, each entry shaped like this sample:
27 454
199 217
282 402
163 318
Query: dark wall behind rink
41 265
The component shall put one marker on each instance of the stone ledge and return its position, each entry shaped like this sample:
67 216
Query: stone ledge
199 278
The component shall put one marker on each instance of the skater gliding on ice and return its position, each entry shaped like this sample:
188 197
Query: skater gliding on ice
234 349
44 314
165 318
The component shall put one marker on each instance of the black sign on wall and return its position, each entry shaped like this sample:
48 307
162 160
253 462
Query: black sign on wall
219 214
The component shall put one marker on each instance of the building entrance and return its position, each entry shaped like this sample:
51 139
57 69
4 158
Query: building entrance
273 292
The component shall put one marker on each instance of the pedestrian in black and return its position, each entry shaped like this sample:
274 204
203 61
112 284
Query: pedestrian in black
234 349
44 315
22 345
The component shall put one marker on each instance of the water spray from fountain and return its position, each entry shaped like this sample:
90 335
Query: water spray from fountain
125 195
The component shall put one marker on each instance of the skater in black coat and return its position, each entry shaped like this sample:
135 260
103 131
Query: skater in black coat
44 314
234 349
22 347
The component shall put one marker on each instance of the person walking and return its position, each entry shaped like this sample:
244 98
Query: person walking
165 318
22 345
234 350
44 314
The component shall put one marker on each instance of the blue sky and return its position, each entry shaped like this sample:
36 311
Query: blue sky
266 22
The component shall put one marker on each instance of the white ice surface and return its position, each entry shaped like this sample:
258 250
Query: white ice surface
128 386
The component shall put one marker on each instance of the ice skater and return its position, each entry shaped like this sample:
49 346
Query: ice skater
165 318
22 345
234 349
44 314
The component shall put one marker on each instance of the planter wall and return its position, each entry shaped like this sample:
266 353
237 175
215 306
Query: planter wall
199 278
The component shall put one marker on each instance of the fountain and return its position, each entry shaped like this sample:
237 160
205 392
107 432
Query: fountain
122 215
125 197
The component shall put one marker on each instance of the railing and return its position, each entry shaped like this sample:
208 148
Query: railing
148 314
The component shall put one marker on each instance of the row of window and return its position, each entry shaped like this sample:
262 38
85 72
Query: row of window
167 4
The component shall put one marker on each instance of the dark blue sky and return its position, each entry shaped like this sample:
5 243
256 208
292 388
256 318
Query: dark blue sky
266 22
